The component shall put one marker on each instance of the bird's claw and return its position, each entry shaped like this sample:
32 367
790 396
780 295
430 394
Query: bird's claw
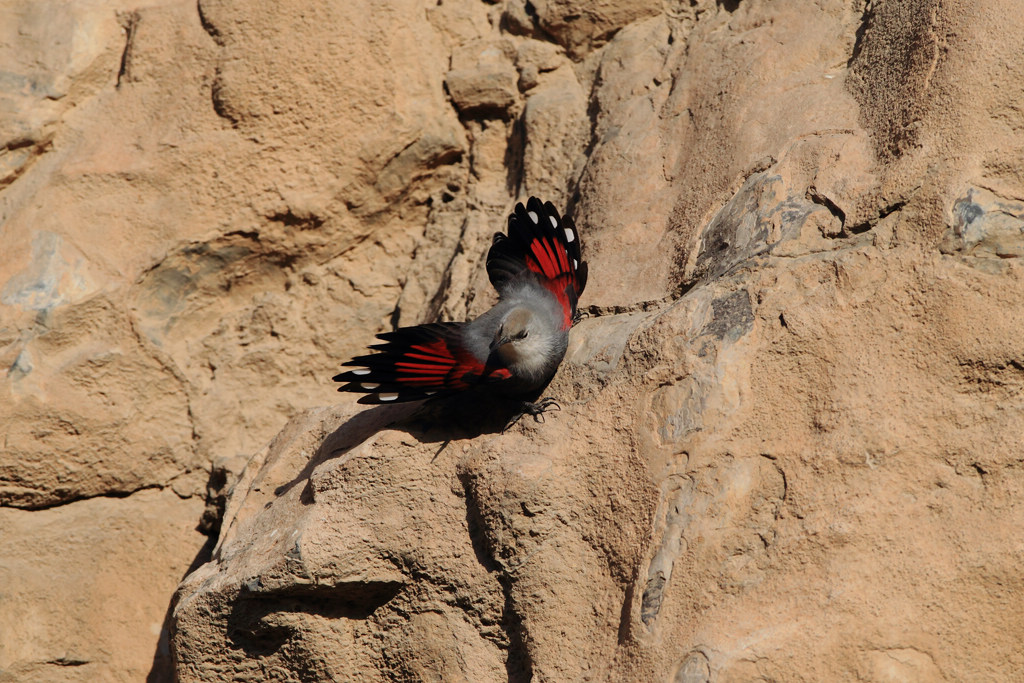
537 410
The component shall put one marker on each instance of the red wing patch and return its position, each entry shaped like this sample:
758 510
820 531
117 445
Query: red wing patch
562 288
415 363
548 258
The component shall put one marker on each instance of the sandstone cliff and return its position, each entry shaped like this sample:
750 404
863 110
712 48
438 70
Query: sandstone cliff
790 440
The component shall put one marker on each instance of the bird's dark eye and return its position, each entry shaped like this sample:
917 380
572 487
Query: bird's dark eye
523 335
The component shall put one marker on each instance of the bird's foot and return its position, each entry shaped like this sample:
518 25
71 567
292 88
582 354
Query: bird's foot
579 315
537 410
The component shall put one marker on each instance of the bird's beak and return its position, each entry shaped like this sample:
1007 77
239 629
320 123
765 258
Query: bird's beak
499 342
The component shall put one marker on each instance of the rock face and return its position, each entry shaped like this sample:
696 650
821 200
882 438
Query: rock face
789 444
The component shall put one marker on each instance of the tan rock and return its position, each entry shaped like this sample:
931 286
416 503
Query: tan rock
131 206
483 90
788 441
482 81
89 419
555 130
86 586
582 26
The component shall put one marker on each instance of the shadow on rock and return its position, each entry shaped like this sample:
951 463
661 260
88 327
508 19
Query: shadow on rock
453 418
260 623
162 669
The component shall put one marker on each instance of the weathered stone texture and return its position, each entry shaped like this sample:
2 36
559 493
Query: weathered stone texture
789 443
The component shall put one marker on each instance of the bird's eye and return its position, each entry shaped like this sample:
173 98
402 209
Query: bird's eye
524 334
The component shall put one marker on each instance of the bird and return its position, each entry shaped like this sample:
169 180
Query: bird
513 349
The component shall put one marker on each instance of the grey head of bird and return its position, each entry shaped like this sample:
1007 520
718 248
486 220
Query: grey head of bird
522 342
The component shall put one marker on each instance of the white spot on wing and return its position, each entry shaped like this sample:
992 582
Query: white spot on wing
429 393
575 264
533 217
569 235
361 371
387 397
554 223
369 385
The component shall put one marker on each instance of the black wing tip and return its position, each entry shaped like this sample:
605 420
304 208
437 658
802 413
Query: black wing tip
356 384
536 205
375 399
508 255
396 393
522 228
581 278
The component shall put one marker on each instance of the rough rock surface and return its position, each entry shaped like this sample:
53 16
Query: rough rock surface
789 444
85 586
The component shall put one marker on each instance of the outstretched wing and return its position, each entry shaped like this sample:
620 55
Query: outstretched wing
540 244
415 363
